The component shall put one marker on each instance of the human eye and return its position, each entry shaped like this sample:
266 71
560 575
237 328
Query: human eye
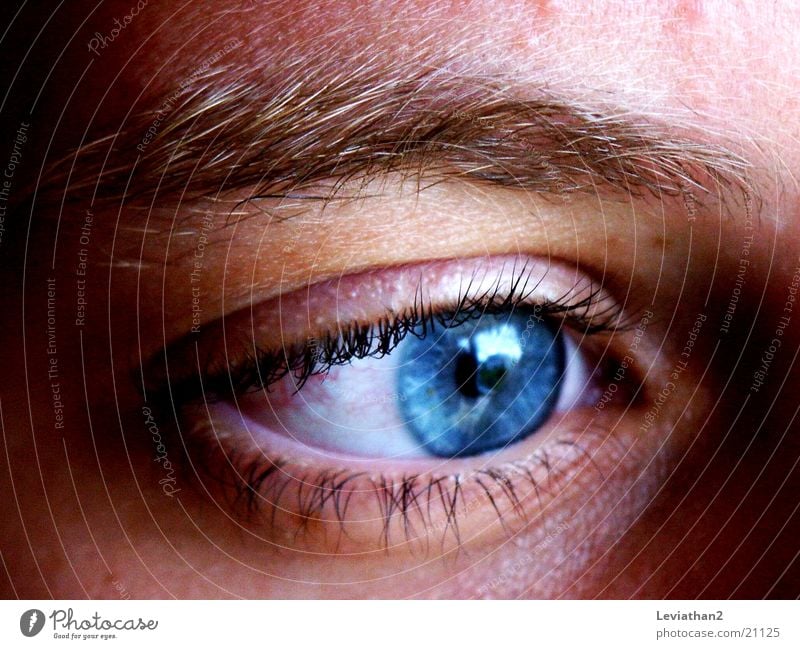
430 402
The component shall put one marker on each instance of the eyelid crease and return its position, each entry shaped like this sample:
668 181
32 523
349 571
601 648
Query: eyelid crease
585 307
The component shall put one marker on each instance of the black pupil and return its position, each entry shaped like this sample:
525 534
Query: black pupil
477 379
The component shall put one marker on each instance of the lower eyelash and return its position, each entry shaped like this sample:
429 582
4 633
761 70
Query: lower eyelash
417 504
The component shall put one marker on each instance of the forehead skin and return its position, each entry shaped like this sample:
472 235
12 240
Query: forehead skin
716 59
726 70
729 67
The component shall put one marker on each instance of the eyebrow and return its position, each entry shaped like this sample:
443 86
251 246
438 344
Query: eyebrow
310 121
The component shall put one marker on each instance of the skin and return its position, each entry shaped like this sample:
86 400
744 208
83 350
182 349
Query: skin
686 510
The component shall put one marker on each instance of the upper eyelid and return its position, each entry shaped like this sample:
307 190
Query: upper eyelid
574 304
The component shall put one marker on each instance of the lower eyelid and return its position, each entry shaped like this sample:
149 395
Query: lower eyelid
316 507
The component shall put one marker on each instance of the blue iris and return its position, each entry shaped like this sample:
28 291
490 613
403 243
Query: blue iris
480 385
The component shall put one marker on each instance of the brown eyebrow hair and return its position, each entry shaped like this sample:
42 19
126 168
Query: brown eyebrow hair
313 120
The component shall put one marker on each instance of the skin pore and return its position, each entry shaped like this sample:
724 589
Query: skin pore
683 487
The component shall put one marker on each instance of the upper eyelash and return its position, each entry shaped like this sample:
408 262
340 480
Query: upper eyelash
261 368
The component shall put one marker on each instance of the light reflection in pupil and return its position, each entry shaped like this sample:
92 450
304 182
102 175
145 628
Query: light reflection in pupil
486 358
